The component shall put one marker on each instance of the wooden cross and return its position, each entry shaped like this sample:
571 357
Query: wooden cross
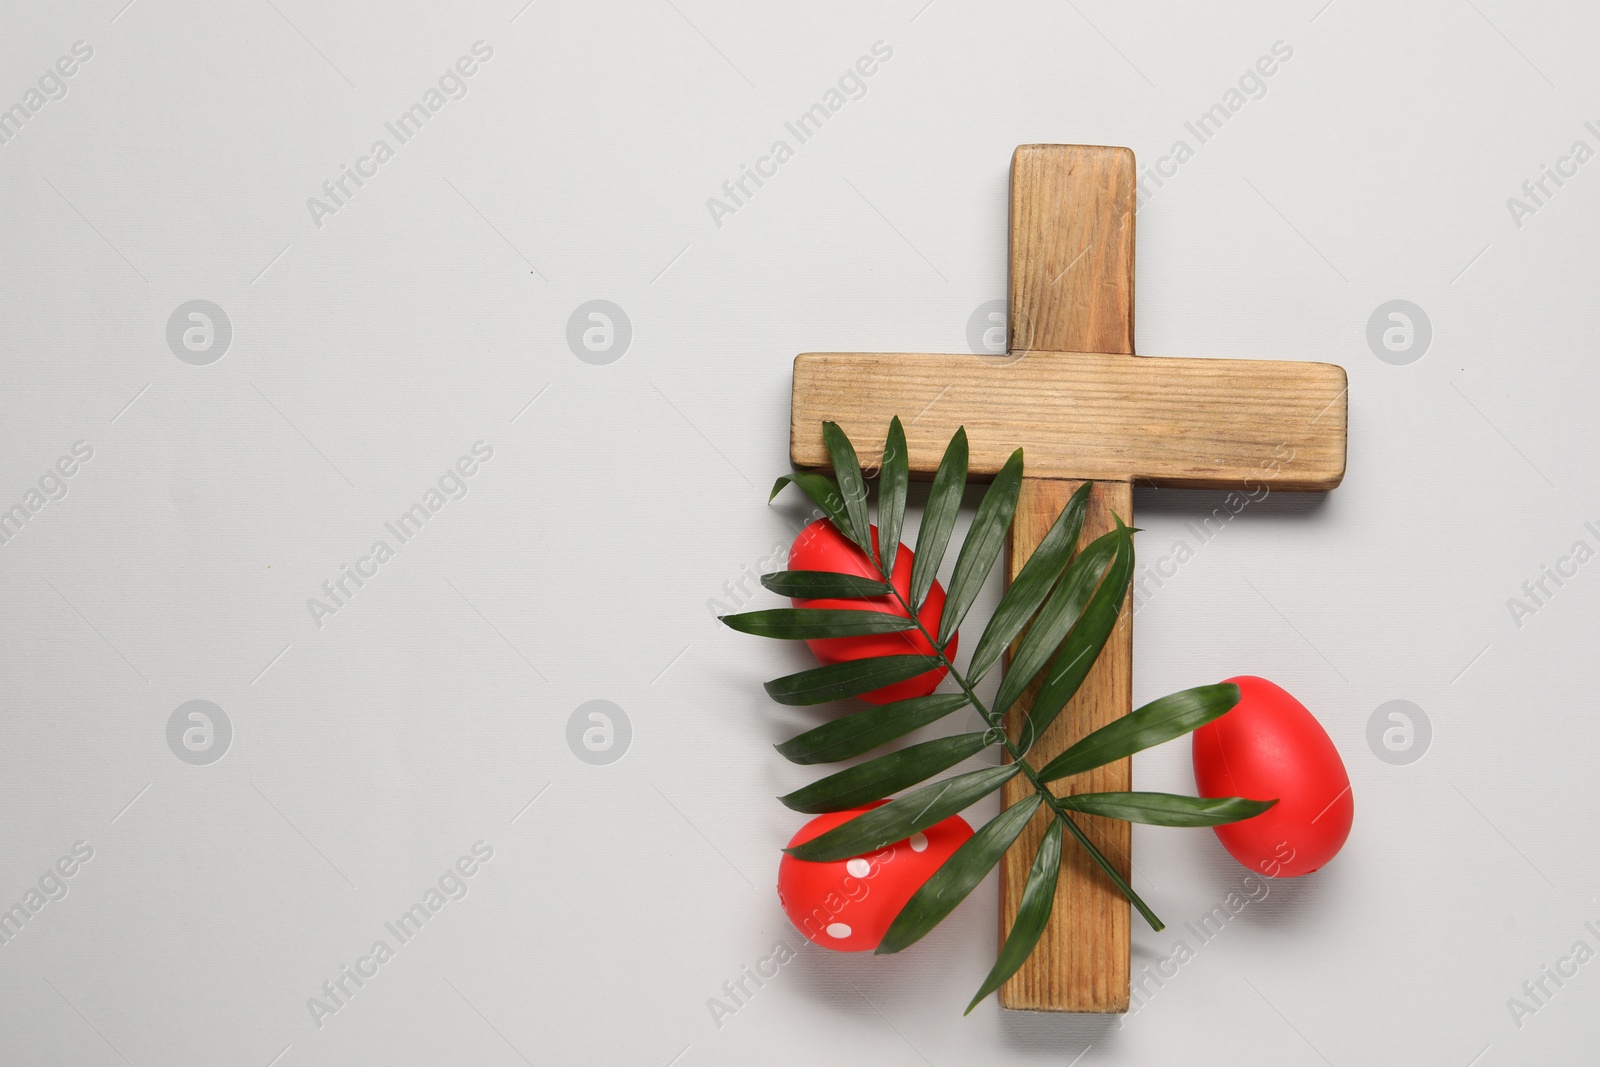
1072 394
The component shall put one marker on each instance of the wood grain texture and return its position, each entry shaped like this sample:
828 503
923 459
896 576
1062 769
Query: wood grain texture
1081 963
1072 227
1195 423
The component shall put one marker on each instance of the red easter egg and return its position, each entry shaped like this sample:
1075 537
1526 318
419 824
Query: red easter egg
847 905
1269 746
821 547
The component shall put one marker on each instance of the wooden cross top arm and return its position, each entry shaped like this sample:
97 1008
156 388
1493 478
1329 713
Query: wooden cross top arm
1190 423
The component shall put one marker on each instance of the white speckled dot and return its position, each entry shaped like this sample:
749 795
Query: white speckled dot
838 930
919 842
858 867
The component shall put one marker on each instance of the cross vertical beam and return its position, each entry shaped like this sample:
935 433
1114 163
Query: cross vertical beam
1072 246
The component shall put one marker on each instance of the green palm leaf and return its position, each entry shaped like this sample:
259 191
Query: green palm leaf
823 585
1166 809
795 624
877 778
1033 914
893 481
1031 585
985 538
847 469
1158 721
848 679
823 491
939 517
1059 614
951 883
864 731
1082 646
899 819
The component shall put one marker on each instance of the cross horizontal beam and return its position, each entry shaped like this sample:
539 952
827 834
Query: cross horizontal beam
1187 423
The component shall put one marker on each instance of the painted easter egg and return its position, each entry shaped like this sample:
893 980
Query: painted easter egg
821 547
1270 746
847 905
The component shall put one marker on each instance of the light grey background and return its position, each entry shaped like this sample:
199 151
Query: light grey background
430 312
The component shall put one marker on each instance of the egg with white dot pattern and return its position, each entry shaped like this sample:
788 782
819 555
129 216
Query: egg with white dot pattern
849 904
